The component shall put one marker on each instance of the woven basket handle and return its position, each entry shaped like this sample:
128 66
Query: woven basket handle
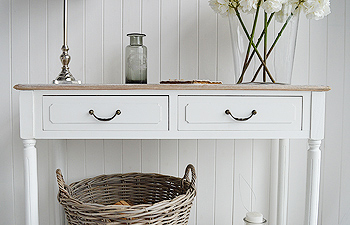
60 182
193 175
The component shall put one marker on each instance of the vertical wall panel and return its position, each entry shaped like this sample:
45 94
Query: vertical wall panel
206 181
225 60
94 156
112 42
113 156
188 39
224 182
169 39
261 176
333 129
58 158
19 70
75 39
301 58
131 23
150 156
55 38
188 155
207 42
131 156
94 41
168 156
297 181
242 180
7 210
76 160
344 211
151 27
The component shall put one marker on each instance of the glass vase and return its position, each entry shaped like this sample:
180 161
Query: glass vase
136 60
279 62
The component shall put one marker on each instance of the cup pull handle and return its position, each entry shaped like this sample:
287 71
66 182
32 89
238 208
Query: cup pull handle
254 112
91 112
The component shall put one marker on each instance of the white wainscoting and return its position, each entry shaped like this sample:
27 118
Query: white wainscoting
186 40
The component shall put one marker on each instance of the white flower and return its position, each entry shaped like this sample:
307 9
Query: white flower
221 6
271 6
316 9
288 8
248 6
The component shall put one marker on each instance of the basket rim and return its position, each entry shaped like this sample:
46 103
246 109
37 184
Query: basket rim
64 195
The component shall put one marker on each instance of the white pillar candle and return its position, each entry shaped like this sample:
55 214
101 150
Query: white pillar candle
254 218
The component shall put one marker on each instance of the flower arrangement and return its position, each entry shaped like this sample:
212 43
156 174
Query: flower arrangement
282 10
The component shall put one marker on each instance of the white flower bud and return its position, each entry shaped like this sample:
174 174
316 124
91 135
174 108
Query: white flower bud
271 6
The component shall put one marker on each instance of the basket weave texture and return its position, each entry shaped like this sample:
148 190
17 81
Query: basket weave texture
156 199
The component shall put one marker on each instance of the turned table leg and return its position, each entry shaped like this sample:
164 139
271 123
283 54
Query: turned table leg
313 182
31 182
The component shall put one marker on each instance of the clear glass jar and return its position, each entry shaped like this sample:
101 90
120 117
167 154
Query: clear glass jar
280 62
136 60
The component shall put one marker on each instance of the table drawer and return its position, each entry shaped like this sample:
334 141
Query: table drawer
210 113
109 113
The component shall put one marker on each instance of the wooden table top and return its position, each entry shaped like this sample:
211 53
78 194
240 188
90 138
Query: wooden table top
258 86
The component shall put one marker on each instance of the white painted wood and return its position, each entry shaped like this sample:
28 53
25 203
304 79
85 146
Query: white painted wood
94 158
321 48
206 181
242 178
261 167
112 42
301 66
188 39
332 153
169 157
76 39
273 190
150 156
94 41
31 182
136 113
225 68
151 25
344 207
131 23
188 154
58 152
283 182
7 211
208 113
224 181
313 182
207 42
318 115
297 181
169 39
131 156
113 156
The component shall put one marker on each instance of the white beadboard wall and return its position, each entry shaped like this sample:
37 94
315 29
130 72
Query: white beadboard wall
186 40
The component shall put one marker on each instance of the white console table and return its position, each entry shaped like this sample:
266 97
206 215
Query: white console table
176 112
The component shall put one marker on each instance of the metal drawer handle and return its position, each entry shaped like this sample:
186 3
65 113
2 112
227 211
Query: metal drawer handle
254 112
118 112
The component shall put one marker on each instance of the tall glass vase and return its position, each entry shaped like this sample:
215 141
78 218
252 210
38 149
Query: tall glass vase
279 62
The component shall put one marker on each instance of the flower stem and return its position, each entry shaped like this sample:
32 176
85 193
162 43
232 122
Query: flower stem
251 37
255 48
275 42
265 44
257 45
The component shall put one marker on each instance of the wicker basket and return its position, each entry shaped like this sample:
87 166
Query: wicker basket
157 199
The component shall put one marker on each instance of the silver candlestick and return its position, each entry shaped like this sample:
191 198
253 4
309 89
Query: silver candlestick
65 77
